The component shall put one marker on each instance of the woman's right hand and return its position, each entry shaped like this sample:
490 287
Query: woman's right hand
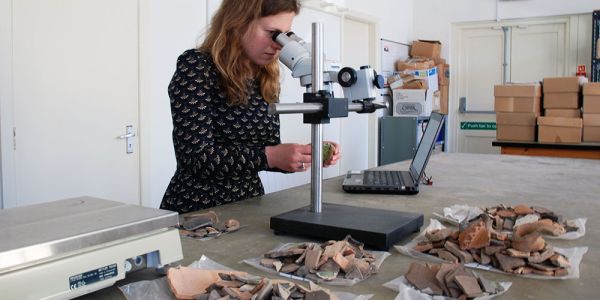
289 157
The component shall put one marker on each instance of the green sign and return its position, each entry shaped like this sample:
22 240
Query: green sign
478 125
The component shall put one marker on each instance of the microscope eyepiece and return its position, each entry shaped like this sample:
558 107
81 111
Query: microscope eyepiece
275 35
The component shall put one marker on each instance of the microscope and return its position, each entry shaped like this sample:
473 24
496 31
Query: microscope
376 228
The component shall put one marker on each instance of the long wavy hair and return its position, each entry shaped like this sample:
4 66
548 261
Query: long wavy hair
223 41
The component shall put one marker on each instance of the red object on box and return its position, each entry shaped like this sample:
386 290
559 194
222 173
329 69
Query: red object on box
581 70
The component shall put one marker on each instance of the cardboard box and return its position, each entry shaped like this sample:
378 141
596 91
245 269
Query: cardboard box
444 89
591 98
439 61
561 100
518 90
561 85
425 48
517 98
412 102
443 74
430 76
591 127
559 130
415 84
565 113
414 64
512 126
561 92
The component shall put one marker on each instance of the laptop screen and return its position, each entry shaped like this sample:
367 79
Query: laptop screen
427 142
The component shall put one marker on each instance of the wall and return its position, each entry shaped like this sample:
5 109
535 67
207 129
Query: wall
434 17
5 82
167 28
395 17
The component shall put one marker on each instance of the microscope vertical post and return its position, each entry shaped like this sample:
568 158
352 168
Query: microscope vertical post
317 129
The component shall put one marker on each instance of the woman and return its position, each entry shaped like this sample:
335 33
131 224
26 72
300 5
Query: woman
222 133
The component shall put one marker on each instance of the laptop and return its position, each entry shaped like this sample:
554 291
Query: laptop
397 182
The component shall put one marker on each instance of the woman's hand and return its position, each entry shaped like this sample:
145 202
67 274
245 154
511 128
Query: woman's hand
335 156
289 157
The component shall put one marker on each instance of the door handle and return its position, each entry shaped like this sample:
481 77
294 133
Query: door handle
128 137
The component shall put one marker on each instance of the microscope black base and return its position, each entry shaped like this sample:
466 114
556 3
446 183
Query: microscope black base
376 228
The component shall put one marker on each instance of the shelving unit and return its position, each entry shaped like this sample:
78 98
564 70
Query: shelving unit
595 67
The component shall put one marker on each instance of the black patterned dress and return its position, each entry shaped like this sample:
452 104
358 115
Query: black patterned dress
219 148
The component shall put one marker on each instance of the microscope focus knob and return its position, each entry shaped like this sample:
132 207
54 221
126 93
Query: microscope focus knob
347 77
379 81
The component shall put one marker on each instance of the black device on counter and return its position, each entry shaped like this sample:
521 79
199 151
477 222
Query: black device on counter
398 182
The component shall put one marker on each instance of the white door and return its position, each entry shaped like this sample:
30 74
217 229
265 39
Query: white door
535 51
479 69
354 130
75 88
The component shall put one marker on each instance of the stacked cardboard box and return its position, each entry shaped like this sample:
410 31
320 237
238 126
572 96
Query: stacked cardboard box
591 112
562 122
416 89
517 107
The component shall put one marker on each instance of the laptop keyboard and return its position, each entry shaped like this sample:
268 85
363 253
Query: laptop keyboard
389 178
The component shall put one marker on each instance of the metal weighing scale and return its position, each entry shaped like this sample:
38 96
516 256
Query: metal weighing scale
376 228
68 248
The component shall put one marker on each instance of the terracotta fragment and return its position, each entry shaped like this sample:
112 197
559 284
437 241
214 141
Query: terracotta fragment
491 250
516 253
508 224
342 261
437 235
312 258
285 252
289 268
505 213
508 263
487 286
542 226
559 261
267 262
232 225
524 270
485 259
538 257
463 256
561 272
447 256
440 275
523 209
469 285
543 273
475 236
277 265
423 246
423 279
526 219
544 267
529 243
186 282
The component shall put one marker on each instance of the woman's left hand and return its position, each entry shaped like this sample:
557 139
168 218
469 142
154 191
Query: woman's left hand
336 154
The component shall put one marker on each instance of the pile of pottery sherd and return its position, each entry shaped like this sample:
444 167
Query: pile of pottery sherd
450 280
327 261
190 283
505 218
524 252
206 225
